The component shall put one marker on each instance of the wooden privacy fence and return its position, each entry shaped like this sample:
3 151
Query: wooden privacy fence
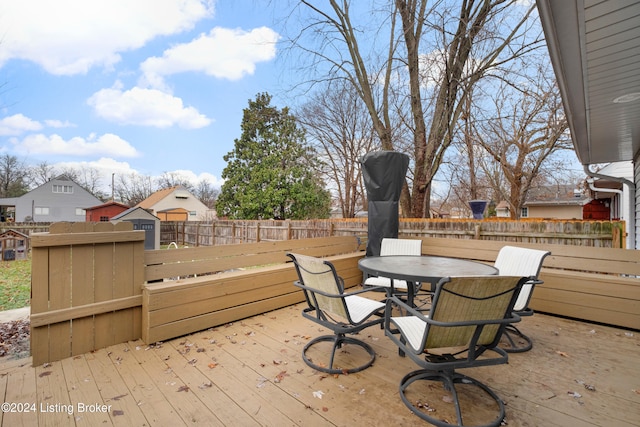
564 232
94 285
86 288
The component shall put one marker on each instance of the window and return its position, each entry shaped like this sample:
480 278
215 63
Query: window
193 213
80 211
524 212
104 218
39 210
65 189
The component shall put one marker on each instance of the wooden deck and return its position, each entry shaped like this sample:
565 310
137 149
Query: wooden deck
250 373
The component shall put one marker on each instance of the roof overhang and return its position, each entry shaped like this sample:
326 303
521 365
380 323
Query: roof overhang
595 52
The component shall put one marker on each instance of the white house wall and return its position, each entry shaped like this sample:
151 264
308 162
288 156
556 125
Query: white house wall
191 204
636 180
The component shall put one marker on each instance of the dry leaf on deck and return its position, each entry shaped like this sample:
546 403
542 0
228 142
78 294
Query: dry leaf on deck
280 376
116 398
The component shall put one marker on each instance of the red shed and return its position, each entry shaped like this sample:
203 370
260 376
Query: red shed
597 209
105 211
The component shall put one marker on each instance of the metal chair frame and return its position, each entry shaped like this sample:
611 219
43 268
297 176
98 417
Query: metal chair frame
319 310
475 335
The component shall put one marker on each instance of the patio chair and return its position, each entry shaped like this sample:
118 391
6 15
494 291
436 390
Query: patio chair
516 261
343 313
390 246
463 328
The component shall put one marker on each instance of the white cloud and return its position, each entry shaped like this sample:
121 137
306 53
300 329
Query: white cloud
105 145
146 107
194 179
69 37
107 166
17 125
58 124
223 53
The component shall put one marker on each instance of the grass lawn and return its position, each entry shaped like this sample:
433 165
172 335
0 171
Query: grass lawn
15 284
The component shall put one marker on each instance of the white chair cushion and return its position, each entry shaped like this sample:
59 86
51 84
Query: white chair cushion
412 328
517 261
386 282
390 246
360 308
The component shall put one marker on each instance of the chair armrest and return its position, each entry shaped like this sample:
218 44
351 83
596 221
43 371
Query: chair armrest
329 295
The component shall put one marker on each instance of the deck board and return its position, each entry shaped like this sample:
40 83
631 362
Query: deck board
250 373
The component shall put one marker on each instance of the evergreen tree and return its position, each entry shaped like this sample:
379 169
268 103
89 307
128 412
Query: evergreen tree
271 171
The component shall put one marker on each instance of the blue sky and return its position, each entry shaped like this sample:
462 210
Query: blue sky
142 86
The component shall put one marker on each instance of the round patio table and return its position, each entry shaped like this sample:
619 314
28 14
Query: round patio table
420 269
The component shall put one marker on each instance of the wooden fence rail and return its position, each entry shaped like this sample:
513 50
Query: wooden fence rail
221 232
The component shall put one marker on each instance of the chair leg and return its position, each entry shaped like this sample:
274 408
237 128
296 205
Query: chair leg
449 380
517 341
338 341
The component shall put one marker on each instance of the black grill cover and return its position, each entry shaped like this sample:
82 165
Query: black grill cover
383 173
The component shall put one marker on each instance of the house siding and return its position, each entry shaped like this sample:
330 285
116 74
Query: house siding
108 211
61 206
636 179
555 212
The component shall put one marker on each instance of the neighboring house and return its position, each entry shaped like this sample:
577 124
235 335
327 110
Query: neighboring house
612 193
105 211
59 199
554 202
174 199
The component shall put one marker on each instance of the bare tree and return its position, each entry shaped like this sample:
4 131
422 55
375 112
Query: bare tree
520 134
480 36
14 176
339 126
206 193
173 179
41 173
134 188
